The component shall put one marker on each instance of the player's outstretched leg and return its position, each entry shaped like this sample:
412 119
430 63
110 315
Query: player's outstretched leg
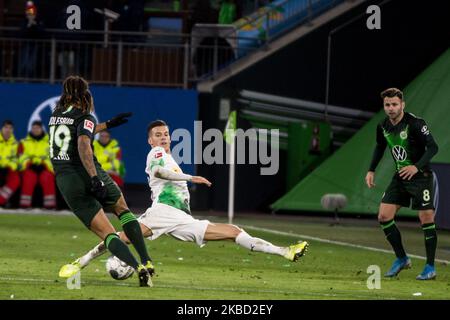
95 252
292 253
74 267
221 231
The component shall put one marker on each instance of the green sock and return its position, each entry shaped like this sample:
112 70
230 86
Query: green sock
429 232
133 231
394 237
120 250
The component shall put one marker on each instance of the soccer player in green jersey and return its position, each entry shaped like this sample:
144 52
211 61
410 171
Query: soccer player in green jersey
86 188
412 146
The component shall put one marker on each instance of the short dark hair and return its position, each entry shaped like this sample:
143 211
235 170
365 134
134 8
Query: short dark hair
7 122
37 123
156 123
391 93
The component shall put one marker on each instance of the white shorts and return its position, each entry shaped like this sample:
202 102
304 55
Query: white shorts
164 219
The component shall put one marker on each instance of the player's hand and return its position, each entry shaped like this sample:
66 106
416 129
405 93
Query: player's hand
370 176
98 188
118 120
200 180
406 173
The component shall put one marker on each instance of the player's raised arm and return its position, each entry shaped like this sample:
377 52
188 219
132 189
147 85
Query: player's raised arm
100 127
201 180
116 121
162 173
156 162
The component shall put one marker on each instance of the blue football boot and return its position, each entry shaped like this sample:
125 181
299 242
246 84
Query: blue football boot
428 273
398 265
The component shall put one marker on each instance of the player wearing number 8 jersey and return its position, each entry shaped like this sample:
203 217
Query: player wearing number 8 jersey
86 188
412 146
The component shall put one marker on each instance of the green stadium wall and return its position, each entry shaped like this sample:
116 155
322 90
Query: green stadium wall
428 97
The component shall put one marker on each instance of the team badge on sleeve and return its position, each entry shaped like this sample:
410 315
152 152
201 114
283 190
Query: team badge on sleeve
89 125
158 155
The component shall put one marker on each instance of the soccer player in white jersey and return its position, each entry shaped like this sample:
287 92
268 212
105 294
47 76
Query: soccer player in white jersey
170 212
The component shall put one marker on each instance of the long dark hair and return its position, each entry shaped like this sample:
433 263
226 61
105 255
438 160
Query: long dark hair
76 93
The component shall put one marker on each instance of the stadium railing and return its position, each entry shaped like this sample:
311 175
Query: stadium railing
114 58
143 58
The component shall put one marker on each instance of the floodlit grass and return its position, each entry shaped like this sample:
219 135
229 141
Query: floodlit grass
34 247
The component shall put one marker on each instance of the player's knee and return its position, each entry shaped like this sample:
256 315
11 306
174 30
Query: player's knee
120 206
235 231
382 217
119 210
387 212
426 217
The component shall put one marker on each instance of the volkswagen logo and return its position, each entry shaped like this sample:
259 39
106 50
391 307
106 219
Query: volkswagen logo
399 153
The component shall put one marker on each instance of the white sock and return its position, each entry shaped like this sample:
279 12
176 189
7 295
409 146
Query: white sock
256 244
91 255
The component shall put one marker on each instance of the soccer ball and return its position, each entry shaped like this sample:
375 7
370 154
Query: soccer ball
118 269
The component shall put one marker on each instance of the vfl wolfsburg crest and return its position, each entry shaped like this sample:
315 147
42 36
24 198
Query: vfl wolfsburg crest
399 153
404 135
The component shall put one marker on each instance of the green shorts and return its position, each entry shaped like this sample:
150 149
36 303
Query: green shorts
419 189
75 188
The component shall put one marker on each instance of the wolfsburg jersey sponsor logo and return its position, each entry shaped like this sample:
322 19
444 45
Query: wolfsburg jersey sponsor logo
399 153
399 146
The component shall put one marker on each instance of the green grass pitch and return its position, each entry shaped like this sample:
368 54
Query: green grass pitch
33 248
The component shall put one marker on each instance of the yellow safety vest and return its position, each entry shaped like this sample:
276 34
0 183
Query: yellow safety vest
35 152
107 155
8 152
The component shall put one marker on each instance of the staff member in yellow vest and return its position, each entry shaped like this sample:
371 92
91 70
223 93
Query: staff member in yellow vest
109 155
36 167
8 162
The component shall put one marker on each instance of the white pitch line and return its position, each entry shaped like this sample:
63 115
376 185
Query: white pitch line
339 243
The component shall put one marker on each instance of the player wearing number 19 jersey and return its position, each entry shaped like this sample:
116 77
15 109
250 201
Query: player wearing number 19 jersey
170 213
412 146
86 188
